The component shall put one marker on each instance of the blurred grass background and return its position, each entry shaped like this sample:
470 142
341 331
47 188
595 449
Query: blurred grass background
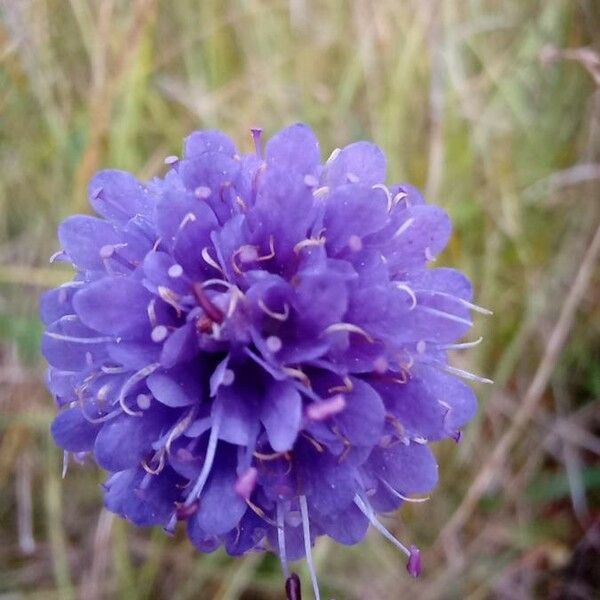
493 108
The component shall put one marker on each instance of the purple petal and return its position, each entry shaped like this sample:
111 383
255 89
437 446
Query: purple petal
180 347
83 237
349 527
352 213
175 387
281 413
359 162
118 196
69 345
294 149
113 305
72 432
408 469
201 142
126 440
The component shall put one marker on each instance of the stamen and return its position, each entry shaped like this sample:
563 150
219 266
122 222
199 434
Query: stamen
161 464
318 241
366 510
143 401
460 346
209 458
351 328
352 177
103 418
271 251
333 155
184 512
213 312
281 540
78 340
414 562
59 256
399 197
247 254
133 380
380 365
175 271
180 428
170 297
272 456
386 191
260 512
318 447
209 260
240 202
159 333
293 588
319 411
225 284
171 160
462 373
307 546
401 496
151 310
202 192
256 136
103 392
405 288
275 315
408 223
228 377
346 388
465 303
321 192
355 243
189 218
297 374
311 181
274 343
429 256
445 315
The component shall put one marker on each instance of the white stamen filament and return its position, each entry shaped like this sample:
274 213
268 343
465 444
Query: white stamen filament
307 546
368 512
281 540
135 378
399 197
209 260
351 328
307 243
465 303
189 218
333 155
405 288
463 374
275 315
445 315
402 496
209 458
460 346
386 191
406 225
321 192
78 340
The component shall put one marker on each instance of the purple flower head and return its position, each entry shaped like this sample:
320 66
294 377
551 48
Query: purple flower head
255 345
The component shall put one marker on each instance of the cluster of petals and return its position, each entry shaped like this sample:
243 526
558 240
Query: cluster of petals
255 344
